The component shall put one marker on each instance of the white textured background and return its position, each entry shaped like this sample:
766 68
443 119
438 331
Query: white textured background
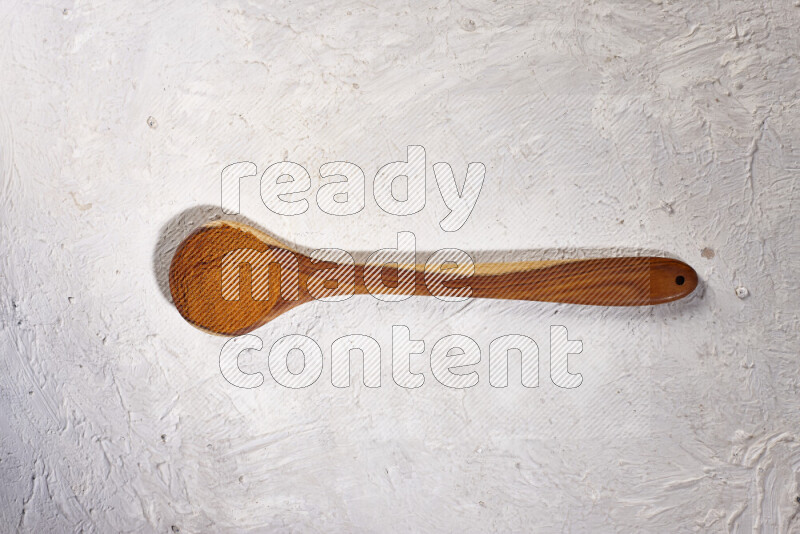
605 127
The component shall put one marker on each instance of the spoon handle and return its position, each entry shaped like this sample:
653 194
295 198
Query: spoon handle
621 281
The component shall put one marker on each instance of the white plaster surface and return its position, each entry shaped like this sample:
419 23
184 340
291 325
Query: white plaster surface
605 127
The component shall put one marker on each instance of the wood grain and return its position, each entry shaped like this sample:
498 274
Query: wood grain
196 280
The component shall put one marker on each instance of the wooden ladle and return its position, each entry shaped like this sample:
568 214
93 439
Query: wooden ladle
203 298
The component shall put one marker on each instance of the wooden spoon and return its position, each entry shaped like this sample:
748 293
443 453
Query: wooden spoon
196 279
